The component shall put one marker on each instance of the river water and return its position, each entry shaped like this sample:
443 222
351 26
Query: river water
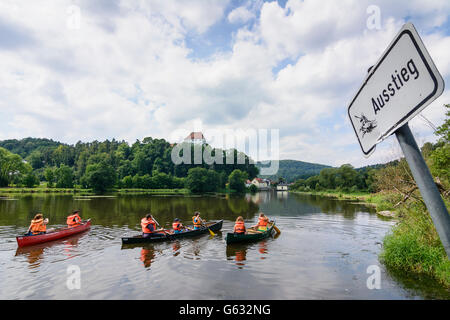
327 249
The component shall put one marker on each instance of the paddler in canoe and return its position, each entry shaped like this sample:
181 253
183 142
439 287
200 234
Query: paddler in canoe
38 225
74 219
177 226
262 223
198 222
239 226
148 225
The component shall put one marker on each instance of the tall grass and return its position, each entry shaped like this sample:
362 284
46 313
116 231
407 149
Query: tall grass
413 245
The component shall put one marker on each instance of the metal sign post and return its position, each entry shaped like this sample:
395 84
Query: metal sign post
401 84
426 184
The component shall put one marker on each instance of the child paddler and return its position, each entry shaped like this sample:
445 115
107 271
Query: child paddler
239 226
148 225
74 219
262 222
198 222
177 226
38 225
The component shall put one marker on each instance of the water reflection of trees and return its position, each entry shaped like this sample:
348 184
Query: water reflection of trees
127 210
299 204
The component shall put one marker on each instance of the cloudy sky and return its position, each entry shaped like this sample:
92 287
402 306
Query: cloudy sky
93 70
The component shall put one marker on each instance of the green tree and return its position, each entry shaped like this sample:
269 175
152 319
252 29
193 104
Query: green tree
346 177
311 182
440 156
11 167
162 180
196 180
30 180
237 179
64 177
35 159
127 182
444 130
327 178
99 176
49 175
212 181
253 188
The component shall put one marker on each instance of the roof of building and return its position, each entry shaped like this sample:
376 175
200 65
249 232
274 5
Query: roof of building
195 135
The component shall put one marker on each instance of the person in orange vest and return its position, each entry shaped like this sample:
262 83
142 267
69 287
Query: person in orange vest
239 226
262 222
74 219
198 222
148 225
177 226
38 225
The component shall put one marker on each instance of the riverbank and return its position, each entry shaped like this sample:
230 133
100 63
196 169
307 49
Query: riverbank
413 244
87 192
381 201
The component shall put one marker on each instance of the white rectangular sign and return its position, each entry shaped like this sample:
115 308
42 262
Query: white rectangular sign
400 85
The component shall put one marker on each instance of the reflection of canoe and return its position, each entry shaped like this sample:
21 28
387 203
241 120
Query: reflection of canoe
71 241
214 226
250 236
23 241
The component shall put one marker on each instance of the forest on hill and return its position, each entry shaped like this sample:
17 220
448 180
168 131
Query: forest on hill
292 170
145 164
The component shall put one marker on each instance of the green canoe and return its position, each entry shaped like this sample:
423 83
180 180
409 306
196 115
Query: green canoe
249 236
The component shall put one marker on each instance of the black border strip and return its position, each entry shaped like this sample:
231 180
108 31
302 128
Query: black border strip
409 33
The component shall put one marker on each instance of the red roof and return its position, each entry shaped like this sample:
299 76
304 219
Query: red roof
195 135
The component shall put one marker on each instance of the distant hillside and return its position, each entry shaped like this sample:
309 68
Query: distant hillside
292 170
25 147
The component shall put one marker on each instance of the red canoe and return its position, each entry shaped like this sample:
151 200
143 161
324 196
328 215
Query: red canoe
23 241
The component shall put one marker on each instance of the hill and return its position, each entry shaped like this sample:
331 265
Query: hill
25 147
292 170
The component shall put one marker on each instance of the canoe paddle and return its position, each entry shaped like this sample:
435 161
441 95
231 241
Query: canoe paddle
166 232
276 228
210 232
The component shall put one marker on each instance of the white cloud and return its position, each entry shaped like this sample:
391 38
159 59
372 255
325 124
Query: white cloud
127 72
240 15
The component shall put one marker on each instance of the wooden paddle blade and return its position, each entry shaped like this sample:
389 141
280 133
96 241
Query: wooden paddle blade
276 229
211 233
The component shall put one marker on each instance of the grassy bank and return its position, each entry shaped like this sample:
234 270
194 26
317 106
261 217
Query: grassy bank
44 190
413 244
14 190
153 191
381 201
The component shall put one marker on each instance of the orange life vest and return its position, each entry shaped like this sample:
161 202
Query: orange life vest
73 220
145 223
262 221
197 221
239 227
176 226
37 226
